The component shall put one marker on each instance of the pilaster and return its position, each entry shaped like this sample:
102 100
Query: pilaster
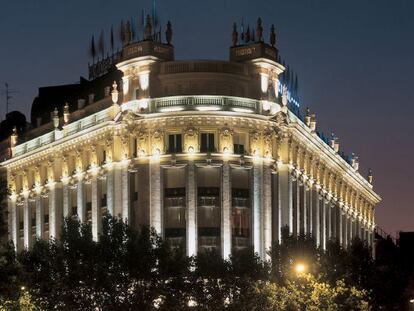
155 196
110 191
40 219
81 200
96 208
191 212
267 210
126 202
256 189
226 210
67 204
55 210
27 223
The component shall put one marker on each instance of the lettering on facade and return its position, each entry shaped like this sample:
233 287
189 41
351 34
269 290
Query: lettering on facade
246 51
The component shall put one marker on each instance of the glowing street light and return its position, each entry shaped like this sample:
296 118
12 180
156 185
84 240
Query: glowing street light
300 268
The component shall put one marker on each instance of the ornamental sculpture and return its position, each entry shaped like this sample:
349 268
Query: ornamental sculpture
226 140
191 140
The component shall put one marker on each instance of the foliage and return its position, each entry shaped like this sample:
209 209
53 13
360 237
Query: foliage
309 294
25 302
130 270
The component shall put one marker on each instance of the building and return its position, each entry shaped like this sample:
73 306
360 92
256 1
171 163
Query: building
212 154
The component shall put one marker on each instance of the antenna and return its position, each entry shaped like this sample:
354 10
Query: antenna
8 93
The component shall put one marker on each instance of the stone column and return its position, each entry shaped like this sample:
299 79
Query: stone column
328 220
40 217
226 210
55 210
14 208
96 208
81 200
276 209
357 228
27 223
340 226
296 207
346 230
333 221
126 202
323 225
67 204
110 191
316 220
191 211
309 211
117 194
156 196
267 210
256 190
285 203
302 208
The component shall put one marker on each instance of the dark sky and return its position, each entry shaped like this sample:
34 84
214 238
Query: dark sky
354 59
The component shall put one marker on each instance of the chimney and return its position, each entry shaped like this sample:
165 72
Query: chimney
13 138
81 103
336 145
66 113
308 118
55 118
91 98
332 141
107 91
355 162
313 123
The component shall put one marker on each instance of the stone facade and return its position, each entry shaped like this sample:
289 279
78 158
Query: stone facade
205 152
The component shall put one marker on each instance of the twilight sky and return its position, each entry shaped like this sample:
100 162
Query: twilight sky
354 59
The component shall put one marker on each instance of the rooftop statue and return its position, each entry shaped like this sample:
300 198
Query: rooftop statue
272 35
169 33
247 35
128 33
148 29
259 30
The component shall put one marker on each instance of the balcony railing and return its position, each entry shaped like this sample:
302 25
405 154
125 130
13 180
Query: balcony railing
226 103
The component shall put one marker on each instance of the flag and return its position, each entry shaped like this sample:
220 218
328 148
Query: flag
112 39
92 50
101 44
122 32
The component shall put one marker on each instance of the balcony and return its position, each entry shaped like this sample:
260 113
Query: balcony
209 238
209 242
241 243
174 197
175 202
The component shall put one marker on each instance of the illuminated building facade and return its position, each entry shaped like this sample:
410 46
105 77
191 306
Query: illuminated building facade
209 153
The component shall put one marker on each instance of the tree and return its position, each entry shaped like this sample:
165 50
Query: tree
8 263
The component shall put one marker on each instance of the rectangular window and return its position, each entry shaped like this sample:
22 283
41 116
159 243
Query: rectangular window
103 157
175 143
239 141
134 148
207 142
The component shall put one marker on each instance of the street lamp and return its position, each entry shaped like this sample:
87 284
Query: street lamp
300 268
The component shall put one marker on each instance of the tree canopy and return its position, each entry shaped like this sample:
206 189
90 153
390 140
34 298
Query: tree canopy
130 270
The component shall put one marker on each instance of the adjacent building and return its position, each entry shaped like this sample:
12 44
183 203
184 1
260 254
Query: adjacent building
212 154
